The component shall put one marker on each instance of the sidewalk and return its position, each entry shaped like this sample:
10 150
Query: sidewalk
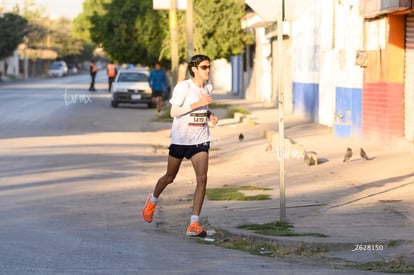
358 204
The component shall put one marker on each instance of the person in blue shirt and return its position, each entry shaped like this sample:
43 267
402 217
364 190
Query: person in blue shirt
159 84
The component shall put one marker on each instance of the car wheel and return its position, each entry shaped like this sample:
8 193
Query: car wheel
114 104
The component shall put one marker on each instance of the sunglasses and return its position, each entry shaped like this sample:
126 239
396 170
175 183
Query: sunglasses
204 67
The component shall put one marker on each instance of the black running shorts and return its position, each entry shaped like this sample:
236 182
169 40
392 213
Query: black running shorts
156 93
187 151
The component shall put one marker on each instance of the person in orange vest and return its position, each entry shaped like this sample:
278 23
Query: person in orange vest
111 72
93 69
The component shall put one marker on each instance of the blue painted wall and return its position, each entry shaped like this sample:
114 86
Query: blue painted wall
349 105
306 100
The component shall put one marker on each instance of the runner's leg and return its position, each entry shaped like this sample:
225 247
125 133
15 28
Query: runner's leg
200 165
159 103
173 165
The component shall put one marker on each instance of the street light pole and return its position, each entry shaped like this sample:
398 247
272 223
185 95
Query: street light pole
281 97
174 41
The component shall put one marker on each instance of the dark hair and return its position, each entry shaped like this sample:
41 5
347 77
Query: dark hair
195 61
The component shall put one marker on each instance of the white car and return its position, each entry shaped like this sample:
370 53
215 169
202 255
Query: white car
131 86
57 68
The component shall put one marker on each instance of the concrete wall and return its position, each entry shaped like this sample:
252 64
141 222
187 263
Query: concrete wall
327 83
12 66
305 62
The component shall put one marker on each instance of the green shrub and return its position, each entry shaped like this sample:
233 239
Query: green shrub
237 109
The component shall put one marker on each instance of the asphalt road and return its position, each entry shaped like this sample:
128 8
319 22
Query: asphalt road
73 175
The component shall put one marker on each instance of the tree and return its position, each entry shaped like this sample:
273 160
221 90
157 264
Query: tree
62 40
217 30
43 31
82 24
131 31
38 27
13 28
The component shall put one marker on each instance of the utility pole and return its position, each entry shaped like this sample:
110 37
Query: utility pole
273 11
280 8
174 41
26 59
189 26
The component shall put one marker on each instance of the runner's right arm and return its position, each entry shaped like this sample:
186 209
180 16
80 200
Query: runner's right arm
182 110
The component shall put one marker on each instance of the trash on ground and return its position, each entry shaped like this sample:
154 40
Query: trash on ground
263 250
211 232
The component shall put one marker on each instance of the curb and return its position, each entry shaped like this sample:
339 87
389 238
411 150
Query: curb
237 118
325 252
329 249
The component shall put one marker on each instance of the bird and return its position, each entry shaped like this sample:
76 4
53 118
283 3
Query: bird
363 154
269 147
241 137
310 158
348 154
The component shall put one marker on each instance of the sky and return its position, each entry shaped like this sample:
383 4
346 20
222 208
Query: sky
56 8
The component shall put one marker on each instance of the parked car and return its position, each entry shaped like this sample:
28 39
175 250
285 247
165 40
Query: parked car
72 69
58 68
131 86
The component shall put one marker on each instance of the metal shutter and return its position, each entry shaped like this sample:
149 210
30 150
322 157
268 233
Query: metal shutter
409 78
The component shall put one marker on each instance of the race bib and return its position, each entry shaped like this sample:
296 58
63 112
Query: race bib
198 118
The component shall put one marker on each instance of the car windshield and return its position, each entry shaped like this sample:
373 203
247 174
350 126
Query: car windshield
55 66
132 77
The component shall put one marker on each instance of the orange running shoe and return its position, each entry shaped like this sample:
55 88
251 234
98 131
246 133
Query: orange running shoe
148 210
196 230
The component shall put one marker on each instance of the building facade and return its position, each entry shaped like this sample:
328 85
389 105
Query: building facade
351 64
385 92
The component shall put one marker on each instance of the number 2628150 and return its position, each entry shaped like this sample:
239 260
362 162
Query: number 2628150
368 247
